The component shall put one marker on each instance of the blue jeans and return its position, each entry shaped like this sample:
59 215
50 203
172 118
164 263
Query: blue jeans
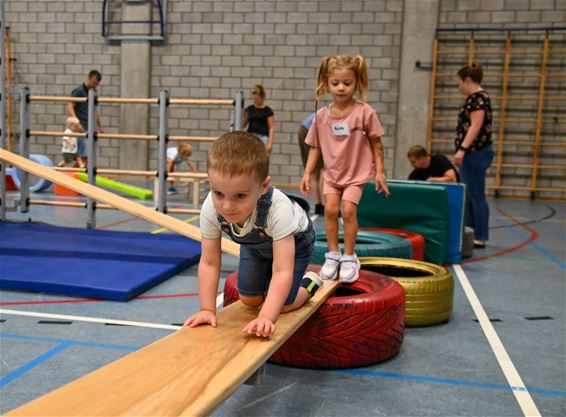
256 263
472 173
81 147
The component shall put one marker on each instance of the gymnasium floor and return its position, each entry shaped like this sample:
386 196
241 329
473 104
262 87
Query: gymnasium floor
445 370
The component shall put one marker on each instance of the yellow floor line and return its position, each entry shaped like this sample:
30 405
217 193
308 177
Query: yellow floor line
190 219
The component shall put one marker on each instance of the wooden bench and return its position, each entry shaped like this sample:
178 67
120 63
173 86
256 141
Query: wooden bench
188 373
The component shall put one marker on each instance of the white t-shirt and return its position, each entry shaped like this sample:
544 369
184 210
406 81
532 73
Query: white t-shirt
173 155
69 143
285 218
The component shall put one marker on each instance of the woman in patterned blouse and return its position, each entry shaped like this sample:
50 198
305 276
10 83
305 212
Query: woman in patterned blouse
474 152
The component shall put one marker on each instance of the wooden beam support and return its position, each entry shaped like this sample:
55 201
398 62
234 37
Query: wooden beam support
188 373
540 105
112 199
432 94
202 102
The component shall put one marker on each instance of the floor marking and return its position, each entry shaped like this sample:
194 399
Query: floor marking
539 318
88 319
4 335
30 365
526 220
533 245
54 322
513 378
164 229
532 238
116 223
95 300
448 381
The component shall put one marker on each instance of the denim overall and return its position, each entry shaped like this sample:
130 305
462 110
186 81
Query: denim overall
256 251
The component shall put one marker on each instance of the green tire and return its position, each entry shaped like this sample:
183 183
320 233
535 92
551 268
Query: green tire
367 244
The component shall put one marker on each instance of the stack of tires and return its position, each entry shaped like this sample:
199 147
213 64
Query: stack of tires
399 254
363 323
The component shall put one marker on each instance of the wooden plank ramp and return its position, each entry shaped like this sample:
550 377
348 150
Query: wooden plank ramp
98 194
188 373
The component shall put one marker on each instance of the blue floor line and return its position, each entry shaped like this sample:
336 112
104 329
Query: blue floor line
70 342
536 246
461 382
30 365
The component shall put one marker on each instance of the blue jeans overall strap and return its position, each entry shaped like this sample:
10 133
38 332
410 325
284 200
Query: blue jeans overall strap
472 173
256 252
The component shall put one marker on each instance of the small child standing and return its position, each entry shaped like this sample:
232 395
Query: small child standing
347 134
273 229
176 156
70 144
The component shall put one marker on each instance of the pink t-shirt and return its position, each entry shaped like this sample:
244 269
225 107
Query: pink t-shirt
345 145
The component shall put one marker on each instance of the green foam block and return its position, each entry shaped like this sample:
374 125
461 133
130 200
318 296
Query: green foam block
131 190
416 207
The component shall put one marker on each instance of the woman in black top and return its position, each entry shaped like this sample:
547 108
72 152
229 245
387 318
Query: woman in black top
260 119
474 152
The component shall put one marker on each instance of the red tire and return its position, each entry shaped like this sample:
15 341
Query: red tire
417 240
362 324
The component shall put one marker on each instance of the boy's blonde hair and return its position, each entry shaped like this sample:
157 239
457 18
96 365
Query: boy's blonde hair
239 153
185 150
259 90
72 122
356 64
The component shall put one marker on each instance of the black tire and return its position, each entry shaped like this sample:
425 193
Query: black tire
367 244
429 288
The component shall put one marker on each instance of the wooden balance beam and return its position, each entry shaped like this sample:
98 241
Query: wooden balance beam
188 373
112 199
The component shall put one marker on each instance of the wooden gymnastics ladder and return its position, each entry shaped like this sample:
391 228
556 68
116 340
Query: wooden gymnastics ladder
538 145
188 373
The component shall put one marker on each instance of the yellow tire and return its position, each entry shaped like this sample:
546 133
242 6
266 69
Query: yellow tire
429 288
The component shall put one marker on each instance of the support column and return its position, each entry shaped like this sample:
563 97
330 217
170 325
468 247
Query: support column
420 19
135 81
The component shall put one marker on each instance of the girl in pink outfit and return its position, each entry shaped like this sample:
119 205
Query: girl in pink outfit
347 134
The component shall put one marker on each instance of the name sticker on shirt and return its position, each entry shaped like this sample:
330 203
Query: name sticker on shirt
340 129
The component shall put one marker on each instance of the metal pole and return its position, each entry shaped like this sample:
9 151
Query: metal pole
24 148
162 158
2 109
91 155
239 114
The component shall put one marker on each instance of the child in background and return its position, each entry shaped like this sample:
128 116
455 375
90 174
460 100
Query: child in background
273 229
347 134
70 144
176 156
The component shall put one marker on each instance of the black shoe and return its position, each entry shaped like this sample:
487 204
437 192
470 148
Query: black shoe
319 209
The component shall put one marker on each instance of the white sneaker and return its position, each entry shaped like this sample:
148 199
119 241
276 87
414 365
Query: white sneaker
330 268
349 268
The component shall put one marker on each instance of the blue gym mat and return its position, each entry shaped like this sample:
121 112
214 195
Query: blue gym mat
89 263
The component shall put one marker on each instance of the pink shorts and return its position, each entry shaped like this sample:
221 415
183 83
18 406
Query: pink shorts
351 193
